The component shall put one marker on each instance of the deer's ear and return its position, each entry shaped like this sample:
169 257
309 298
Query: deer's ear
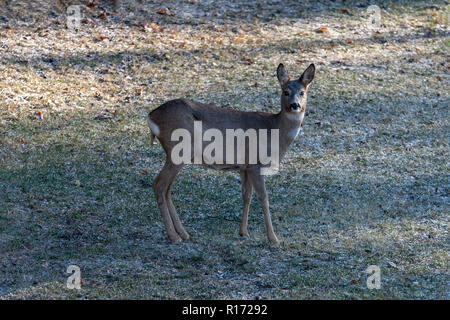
282 75
308 75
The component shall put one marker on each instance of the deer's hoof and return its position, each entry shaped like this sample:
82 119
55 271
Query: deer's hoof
175 238
274 241
244 234
184 235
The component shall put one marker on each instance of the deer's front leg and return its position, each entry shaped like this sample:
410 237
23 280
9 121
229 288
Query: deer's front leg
257 181
247 190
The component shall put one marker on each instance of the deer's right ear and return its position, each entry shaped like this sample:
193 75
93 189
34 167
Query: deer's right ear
282 75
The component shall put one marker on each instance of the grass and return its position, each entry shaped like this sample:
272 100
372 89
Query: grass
365 183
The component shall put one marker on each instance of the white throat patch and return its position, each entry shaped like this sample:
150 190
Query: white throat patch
297 117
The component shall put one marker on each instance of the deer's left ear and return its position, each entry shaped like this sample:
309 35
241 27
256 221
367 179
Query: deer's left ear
308 75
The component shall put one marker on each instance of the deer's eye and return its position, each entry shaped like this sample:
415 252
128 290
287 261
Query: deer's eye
302 93
286 93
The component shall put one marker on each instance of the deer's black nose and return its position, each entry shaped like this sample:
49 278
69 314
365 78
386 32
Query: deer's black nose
294 106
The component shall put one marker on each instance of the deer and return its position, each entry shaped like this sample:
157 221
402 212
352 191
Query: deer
182 113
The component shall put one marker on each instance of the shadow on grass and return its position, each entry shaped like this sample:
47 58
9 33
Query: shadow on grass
94 209
86 201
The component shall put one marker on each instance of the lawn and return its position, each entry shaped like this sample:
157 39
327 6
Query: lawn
366 181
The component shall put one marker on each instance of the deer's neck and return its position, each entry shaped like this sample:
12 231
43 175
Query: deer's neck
289 125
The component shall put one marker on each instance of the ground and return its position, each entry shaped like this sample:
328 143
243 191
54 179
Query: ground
365 183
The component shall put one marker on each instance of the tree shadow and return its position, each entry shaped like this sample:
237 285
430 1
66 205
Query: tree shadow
93 208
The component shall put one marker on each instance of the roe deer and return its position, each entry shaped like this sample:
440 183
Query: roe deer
183 114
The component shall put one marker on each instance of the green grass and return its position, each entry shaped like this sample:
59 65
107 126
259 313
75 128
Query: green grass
365 183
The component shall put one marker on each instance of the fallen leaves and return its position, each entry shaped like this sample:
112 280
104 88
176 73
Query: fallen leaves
91 3
322 30
107 115
248 61
151 27
392 264
165 11
38 115
345 11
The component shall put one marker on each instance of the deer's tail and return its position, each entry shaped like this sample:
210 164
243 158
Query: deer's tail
154 129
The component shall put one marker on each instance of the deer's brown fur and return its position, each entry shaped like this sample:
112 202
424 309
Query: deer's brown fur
181 113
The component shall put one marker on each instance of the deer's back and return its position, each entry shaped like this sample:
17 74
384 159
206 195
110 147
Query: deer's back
181 113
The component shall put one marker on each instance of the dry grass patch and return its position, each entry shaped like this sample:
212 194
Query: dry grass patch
365 183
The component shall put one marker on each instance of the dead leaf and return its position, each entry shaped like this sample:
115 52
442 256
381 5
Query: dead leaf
239 243
393 265
91 3
102 15
348 41
103 117
164 11
322 30
38 115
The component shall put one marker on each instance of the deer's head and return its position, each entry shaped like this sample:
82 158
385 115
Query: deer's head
293 92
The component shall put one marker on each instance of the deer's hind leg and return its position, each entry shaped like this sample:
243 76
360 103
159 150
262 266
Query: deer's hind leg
247 190
161 186
173 212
